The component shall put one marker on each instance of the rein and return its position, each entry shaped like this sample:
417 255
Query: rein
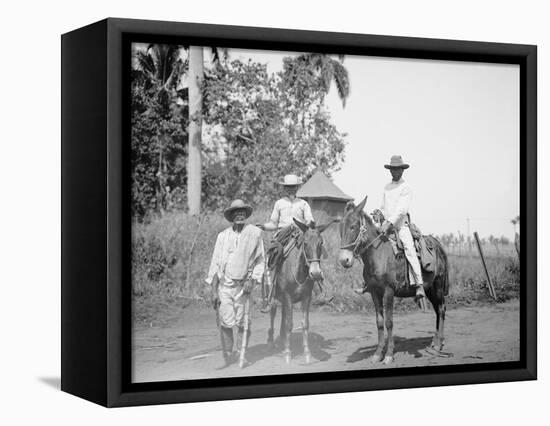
356 247
309 261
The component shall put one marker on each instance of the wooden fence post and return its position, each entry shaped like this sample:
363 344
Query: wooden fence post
489 282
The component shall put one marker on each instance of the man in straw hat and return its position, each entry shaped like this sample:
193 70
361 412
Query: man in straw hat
289 207
395 209
286 209
237 266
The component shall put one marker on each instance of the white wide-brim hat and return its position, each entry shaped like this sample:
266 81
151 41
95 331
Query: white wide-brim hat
291 180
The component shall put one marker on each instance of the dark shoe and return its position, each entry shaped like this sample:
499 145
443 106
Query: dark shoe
266 307
362 290
227 360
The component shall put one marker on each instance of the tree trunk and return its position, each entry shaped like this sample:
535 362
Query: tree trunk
196 76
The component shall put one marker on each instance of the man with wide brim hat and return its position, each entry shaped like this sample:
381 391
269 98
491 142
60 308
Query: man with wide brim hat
396 203
236 205
289 207
237 266
286 209
396 162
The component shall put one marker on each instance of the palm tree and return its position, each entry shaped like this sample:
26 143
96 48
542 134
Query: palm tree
194 153
162 66
327 70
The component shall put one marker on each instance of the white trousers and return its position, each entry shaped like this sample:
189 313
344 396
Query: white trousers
415 272
232 302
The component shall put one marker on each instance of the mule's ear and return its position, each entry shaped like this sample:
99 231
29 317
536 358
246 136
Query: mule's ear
303 227
349 206
322 228
361 205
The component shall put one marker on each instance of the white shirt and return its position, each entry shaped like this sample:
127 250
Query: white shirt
227 249
396 202
285 210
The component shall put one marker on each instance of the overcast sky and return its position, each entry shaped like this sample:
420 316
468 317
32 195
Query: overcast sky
455 123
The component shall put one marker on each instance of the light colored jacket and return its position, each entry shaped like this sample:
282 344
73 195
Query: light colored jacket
396 202
236 255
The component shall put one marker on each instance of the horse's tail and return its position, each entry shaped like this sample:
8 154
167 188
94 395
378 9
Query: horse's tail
442 265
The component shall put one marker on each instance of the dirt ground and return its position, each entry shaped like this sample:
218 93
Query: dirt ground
185 345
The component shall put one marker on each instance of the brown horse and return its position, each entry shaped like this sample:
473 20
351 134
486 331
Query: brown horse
295 279
384 274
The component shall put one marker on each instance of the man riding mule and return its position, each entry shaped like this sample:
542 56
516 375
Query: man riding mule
237 266
384 272
296 277
286 209
395 209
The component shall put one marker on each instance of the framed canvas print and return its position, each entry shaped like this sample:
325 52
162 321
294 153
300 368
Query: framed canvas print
254 212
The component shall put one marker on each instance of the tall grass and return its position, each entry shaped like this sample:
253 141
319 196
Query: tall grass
171 256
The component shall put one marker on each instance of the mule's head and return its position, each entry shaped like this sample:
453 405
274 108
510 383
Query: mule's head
349 232
313 247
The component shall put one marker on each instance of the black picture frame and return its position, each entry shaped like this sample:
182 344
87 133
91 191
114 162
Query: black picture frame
95 288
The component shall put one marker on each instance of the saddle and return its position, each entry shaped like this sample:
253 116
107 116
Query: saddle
424 245
283 242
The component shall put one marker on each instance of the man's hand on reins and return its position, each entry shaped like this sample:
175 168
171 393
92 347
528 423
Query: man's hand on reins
386 227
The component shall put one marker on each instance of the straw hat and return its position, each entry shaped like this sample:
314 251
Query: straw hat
396 162
291 180
236 205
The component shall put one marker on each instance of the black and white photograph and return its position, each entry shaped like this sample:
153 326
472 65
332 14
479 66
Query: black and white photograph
303 212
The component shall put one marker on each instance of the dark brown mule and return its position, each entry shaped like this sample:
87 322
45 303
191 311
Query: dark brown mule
295 280
383 273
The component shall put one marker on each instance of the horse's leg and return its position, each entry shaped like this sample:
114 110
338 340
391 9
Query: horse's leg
436 297
305 328
379 308
388 315
286 326
431 295
441 319
272 314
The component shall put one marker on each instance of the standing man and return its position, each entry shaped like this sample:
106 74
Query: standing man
237 266
286 209
395 209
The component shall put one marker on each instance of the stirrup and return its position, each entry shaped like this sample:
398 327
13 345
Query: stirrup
266 308
420 298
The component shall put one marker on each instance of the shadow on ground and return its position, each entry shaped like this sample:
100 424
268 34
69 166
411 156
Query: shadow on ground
410 346
317 346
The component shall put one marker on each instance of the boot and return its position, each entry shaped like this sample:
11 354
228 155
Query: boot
266 306
420 297
227 345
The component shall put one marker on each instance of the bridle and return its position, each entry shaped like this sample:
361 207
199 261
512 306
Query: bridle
308 260
357 247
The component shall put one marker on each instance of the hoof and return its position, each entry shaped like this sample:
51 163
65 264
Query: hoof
375 358
437 346
388 360
287 356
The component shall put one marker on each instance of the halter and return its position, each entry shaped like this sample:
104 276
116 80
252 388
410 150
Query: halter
355 247
309 261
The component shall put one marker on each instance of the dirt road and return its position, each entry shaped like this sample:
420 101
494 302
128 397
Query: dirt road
187 345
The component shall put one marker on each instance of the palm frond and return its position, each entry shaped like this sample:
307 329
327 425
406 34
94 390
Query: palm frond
341 79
